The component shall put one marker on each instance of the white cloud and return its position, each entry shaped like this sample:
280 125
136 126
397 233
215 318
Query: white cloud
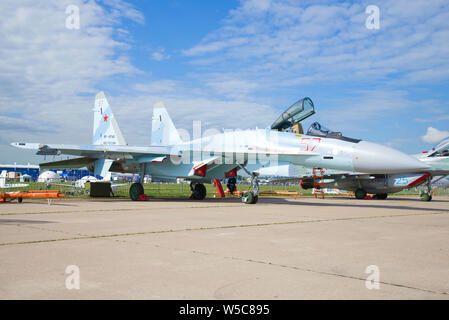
289 41
49 73
160 55
214 46
136 111
434 136
156 87
232 88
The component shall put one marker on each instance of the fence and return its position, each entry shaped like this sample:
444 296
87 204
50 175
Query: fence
171 189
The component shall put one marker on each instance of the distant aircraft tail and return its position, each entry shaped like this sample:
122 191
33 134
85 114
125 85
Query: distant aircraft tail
108 176
3 179
106 130
163 131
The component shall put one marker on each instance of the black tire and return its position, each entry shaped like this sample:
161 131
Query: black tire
382 196
20 200
135 191
199 191
360 194
256 199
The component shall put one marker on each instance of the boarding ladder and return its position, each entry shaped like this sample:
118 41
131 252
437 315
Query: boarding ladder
318 182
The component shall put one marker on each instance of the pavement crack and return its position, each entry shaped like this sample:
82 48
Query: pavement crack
335 274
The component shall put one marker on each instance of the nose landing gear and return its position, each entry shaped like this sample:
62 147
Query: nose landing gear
251 197
427 196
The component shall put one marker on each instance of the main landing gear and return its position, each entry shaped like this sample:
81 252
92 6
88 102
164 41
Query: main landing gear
135 191
198 191
360 194
427 195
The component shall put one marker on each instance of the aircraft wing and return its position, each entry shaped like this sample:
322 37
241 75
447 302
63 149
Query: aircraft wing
67 164
96 151
101 151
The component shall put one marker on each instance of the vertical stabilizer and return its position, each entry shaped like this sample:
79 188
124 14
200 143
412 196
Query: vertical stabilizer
3 179
163 131
106 130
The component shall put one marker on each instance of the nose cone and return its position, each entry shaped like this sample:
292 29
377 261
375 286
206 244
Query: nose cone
374 158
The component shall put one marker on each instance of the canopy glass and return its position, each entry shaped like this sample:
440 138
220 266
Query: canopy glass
317 130
441 150
296 113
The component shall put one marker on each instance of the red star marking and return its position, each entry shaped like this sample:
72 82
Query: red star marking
105 117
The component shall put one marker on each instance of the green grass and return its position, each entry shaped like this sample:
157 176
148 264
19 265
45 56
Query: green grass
177 190
151 189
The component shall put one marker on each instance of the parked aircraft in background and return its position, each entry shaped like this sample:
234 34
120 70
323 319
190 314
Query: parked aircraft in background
4 185
381 185
221 155
358 181
81 183
440 182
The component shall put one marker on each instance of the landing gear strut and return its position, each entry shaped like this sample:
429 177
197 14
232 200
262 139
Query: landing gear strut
251 197
427 196
198 191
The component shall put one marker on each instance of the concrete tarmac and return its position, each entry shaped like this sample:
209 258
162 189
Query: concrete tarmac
280 248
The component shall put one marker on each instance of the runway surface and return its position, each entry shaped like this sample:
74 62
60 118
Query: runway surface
281 248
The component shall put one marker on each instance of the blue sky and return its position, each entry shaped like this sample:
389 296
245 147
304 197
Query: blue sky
231 64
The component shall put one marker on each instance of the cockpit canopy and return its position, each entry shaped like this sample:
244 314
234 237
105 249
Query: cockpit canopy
317 130
296 113
441 150
300 111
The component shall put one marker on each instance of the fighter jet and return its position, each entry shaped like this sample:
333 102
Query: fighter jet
203 159
381 184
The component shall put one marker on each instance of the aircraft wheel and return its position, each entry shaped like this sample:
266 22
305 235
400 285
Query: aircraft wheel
360 194
199 191
426 197
135 191
382 196
249 198
20 200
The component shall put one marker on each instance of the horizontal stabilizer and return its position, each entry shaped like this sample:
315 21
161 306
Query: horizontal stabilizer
200 167
152 158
